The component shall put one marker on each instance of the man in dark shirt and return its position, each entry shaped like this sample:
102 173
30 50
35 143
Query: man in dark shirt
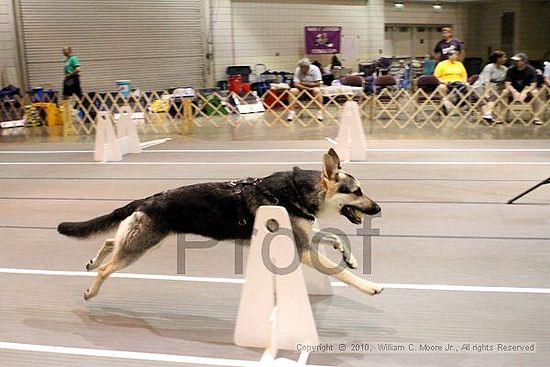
446 45
521 84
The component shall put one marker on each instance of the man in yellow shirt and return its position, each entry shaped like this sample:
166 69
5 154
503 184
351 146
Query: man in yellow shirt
452 75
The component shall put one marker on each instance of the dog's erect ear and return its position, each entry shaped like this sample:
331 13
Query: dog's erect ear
332 153
331 168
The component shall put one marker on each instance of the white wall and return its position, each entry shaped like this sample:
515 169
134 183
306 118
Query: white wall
408 44
254 31
422 13
247 32
8 49
485 23
534 32
221 38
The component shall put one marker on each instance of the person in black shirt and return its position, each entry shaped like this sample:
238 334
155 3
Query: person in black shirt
521 84
447 44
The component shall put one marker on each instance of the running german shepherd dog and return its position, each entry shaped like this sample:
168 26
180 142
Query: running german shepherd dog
225 211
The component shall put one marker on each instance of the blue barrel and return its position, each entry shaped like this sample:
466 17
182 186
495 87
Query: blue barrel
123 87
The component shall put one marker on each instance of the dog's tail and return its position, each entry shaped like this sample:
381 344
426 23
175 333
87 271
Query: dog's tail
100 224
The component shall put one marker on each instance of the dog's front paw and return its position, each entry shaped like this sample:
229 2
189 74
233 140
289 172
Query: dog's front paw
351 261
377 289
370 287
335 241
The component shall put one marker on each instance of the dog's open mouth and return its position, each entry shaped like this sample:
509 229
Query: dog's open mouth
353 214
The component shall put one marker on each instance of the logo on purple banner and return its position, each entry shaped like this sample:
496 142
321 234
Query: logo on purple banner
323 40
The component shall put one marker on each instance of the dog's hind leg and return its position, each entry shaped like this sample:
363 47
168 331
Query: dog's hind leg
117 263
327 266
135 236
103 252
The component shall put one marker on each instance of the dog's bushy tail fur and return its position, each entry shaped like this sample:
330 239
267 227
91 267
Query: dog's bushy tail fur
100 224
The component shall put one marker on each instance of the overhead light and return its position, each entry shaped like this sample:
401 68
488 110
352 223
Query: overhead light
399 5
437 7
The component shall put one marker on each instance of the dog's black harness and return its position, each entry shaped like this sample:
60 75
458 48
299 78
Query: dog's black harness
255 182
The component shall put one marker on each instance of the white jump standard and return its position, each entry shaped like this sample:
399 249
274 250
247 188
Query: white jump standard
110 146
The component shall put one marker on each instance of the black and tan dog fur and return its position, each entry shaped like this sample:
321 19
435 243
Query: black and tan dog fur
226 210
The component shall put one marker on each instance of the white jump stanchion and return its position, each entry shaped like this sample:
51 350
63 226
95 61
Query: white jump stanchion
106 145
274 311
110 146
127 132
351 142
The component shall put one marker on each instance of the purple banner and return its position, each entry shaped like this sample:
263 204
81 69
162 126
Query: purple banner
322 40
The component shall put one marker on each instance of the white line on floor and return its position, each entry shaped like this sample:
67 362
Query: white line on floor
496 150
301 150
313 150
140 356
181 278
44 151
171 151
405 163
467 288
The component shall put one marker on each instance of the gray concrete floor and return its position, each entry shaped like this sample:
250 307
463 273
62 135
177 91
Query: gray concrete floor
444 222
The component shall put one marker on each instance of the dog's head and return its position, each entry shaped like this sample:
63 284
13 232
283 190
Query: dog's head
344 193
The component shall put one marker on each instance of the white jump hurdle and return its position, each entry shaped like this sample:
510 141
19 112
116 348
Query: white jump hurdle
110 146
351 142
275 312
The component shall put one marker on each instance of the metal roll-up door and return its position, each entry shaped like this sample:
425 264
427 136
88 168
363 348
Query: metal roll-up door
155 44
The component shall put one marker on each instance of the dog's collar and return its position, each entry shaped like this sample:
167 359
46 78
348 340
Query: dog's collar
291 207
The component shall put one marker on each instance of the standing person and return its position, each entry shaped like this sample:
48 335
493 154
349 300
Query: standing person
491 83
306 77
71 83
521 84
447 44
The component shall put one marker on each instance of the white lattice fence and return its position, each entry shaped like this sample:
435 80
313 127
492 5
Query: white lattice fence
419 108
162 112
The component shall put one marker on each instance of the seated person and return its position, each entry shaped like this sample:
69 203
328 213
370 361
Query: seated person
429 65
547 73
335 62
452 75
491 83
335 68
306 77
521 84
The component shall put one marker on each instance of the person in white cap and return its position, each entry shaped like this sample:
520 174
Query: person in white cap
521 84
307 77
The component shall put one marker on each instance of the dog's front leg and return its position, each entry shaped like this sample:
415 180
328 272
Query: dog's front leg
303 233
321 263
331 239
